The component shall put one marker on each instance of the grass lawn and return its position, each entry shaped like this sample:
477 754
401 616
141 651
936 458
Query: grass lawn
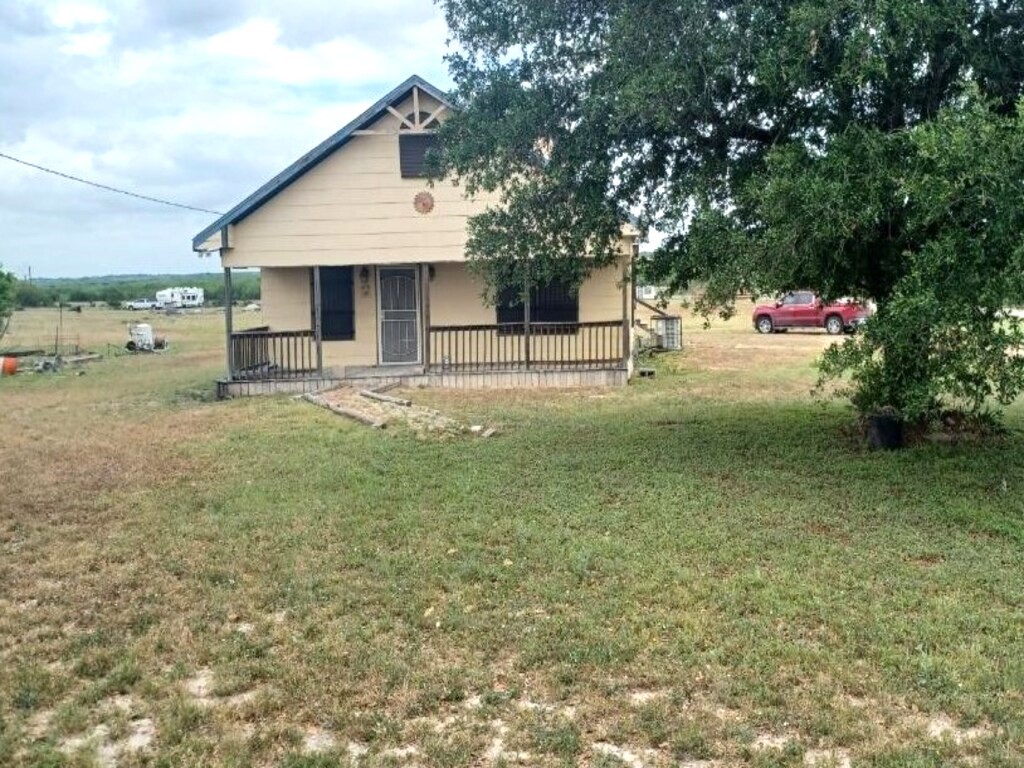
703 569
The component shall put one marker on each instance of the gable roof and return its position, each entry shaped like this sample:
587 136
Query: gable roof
317 154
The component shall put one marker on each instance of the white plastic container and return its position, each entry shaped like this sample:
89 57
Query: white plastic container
668 330
141 335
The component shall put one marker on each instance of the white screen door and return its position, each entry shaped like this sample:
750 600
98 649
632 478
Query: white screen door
399 315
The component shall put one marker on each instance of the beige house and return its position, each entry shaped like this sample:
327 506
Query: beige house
364 276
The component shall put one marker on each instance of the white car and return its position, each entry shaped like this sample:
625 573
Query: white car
135 304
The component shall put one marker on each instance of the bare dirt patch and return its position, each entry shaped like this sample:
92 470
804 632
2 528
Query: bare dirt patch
244 628
123 703
496 751
316 740
634 757
942 727
200 686
644 697
39 723
528 705
403 752
767 740
109 752
356 751
827 758
140 736
97 738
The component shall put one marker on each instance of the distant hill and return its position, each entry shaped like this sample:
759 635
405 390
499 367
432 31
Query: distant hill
139 278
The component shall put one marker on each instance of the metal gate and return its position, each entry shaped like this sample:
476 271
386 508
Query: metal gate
399 311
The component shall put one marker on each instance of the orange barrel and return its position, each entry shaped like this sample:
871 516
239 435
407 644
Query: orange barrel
8 366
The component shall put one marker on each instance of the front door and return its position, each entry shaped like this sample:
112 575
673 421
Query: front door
399 311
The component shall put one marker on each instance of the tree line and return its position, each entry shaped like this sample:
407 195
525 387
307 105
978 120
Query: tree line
114 291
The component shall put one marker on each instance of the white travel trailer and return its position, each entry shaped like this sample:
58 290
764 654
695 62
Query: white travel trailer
181 297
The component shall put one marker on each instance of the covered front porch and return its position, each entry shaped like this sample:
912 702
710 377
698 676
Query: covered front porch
420 324
262 353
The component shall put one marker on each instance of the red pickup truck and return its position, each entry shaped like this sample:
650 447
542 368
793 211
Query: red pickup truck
803 309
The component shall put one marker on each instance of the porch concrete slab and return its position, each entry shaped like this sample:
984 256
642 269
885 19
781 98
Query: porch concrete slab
381 371
374 377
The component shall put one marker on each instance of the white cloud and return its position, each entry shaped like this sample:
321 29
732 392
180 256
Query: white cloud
71 15
86 44
195 101
246 41
256 46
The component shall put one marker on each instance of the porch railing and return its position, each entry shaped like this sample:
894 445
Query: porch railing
511 346
259 353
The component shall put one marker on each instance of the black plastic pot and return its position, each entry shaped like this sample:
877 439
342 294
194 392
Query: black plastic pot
885 432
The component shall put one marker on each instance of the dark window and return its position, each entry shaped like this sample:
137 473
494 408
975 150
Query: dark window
554 307
554 303
412 153
510 308
795 299
337 304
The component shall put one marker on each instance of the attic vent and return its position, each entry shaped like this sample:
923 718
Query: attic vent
412 153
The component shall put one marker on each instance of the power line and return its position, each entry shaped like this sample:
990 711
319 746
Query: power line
108 188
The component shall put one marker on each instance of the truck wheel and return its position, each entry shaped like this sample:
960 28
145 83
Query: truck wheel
765 324
834 324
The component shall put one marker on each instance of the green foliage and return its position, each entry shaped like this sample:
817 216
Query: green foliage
942 335
6 299
6 291
854 148
27 295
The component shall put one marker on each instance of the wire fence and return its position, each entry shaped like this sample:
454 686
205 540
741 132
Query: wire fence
63 345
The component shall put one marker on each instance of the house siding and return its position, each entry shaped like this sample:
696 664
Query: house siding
286 299
284 294
355 208
601 293
456 297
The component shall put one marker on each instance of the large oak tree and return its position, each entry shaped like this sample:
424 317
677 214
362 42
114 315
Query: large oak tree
855 147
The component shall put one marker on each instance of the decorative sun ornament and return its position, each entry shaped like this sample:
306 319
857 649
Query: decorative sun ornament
423 202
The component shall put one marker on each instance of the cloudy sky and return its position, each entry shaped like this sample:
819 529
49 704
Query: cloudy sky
196 101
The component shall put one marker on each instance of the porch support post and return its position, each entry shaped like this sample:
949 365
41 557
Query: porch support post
627 311
318 335
525 325
229 298
425 313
